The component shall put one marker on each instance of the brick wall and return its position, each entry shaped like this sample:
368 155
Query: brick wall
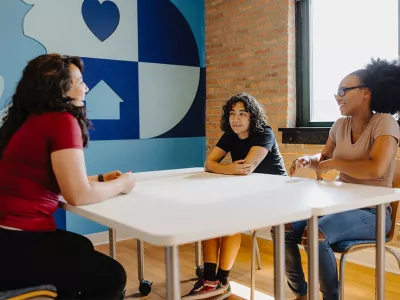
250 47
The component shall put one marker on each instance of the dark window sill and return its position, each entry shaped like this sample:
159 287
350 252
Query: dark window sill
305 135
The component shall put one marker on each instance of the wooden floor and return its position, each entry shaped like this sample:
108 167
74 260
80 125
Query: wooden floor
359 281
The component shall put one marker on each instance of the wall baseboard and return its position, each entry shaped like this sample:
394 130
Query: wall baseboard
365 257
101 238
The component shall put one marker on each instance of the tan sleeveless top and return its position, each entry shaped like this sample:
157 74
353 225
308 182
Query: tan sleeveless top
380 124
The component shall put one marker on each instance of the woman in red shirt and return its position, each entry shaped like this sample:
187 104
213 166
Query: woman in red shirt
41 155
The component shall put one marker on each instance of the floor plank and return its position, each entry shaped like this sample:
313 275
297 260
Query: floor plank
359 280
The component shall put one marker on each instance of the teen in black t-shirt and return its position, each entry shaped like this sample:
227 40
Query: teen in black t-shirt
253 148
240 148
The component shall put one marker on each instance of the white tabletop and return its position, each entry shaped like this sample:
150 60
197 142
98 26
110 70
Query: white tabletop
175 207
329 197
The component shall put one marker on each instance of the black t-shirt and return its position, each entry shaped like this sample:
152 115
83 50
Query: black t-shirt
271 164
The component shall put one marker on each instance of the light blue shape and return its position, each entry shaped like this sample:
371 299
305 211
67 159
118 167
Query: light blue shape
176 86
1 85
102 103
137 156
81 225
144 155
193 11
16 49
59 26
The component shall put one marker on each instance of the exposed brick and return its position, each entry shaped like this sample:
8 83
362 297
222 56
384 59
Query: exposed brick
250 47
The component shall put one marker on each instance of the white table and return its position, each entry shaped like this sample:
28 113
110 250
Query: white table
165 206
325 198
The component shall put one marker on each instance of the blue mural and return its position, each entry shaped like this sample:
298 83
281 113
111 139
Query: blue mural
145 69
16 48
118 117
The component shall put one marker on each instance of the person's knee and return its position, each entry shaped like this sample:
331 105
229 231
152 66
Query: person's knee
121 273
231 237
304 238
235 235
114 276
87 243
111 268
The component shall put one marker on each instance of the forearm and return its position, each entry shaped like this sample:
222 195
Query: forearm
361 169
214 167
99 191
93 178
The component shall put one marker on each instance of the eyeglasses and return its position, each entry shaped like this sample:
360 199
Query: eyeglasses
342 91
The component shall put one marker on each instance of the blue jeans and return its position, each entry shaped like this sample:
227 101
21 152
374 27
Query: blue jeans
358 224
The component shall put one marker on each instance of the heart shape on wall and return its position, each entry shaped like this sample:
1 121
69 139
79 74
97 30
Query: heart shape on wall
101 18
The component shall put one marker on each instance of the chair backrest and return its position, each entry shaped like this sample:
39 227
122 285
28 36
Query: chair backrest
395 205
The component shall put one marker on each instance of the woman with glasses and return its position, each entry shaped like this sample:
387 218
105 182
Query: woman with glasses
362 147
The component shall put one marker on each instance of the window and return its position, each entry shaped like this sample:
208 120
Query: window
334 38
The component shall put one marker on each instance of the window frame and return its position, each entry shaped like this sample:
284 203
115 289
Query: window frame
303 44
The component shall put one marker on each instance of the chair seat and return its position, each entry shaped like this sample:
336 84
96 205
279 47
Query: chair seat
345 246
31 292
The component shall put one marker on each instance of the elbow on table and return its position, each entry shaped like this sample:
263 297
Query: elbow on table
77 199
378 171
206 166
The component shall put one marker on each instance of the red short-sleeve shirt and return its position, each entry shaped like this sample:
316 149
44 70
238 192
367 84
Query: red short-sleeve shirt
28 188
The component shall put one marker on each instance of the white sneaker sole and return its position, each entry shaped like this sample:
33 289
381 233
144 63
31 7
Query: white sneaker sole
214 295
223 296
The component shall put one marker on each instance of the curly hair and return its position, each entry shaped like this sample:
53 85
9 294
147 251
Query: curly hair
382 78
45 81
258 121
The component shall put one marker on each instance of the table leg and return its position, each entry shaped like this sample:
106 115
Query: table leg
140 259
112 242
199 254
380 252
253 264
172 272
313 268
279 262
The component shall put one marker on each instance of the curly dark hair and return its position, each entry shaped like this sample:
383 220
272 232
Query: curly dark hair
258 121
382 78
42 88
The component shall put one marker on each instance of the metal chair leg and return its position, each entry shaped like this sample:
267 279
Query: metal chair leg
341 276
258 256
254 248
394 253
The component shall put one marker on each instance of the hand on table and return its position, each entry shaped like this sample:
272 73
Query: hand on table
112 175
301 162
